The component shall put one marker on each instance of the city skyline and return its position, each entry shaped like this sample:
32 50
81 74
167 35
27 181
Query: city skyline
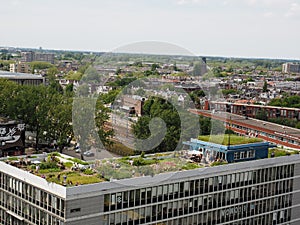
248 28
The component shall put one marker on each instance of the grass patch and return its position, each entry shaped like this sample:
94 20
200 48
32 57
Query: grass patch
89 172
224 139
74 178
218 163
13 159
54 154
51 170
190 166
68 164
281 152
79 161
120 149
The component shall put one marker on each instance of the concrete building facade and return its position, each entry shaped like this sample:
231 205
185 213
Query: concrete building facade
36 56
262 192
19 67
291 68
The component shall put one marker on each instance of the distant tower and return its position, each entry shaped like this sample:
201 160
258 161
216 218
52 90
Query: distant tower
203 66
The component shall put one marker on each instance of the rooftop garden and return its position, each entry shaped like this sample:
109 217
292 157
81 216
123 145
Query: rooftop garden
144 165
68 171
229 139
59 169
278 152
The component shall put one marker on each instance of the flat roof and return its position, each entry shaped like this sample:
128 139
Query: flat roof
253 105
227 140
95 189
273 128
6 121
159 179
9 75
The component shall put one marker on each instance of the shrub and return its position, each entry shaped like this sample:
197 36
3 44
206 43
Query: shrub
48 165
55 154
68 164
13 158
216 163
139 161
89 172
190 166
79 161
121 149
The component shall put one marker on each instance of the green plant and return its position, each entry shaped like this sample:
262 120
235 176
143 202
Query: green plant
48 165
55 154
68 164
89 172
12 158
79 161
216 163
190 166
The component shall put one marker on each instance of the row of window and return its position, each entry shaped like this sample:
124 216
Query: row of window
244 155
32 194
37 217
171 210
275 137
29 202
174 191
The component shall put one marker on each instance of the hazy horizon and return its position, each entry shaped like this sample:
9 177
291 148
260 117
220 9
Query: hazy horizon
215 28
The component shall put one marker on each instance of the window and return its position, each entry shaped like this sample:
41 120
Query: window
251 154
236 155
75 210
242 155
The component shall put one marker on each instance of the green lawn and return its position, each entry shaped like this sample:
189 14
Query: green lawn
282 152
72 177
224 139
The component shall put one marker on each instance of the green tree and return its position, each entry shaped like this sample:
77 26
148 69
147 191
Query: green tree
265 87
110 96
153 108
44 110
262 115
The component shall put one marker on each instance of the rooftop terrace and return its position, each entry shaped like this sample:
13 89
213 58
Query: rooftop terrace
229 139
67 171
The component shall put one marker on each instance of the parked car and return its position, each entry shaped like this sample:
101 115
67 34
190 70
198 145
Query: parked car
88 153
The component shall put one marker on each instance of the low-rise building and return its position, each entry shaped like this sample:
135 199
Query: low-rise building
23 78
230 153
12 137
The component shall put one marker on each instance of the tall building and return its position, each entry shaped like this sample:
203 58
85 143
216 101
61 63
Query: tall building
35 56
45 57
262 192
19 67
27 56
291 68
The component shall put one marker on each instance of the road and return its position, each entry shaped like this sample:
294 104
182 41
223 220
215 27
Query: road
103 154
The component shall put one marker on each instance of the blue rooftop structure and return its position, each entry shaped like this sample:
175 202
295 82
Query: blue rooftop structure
233 153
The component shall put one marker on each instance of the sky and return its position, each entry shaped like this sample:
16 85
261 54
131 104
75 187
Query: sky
233 28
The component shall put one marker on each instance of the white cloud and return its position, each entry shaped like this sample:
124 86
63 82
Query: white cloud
294 10
268 14
185 2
